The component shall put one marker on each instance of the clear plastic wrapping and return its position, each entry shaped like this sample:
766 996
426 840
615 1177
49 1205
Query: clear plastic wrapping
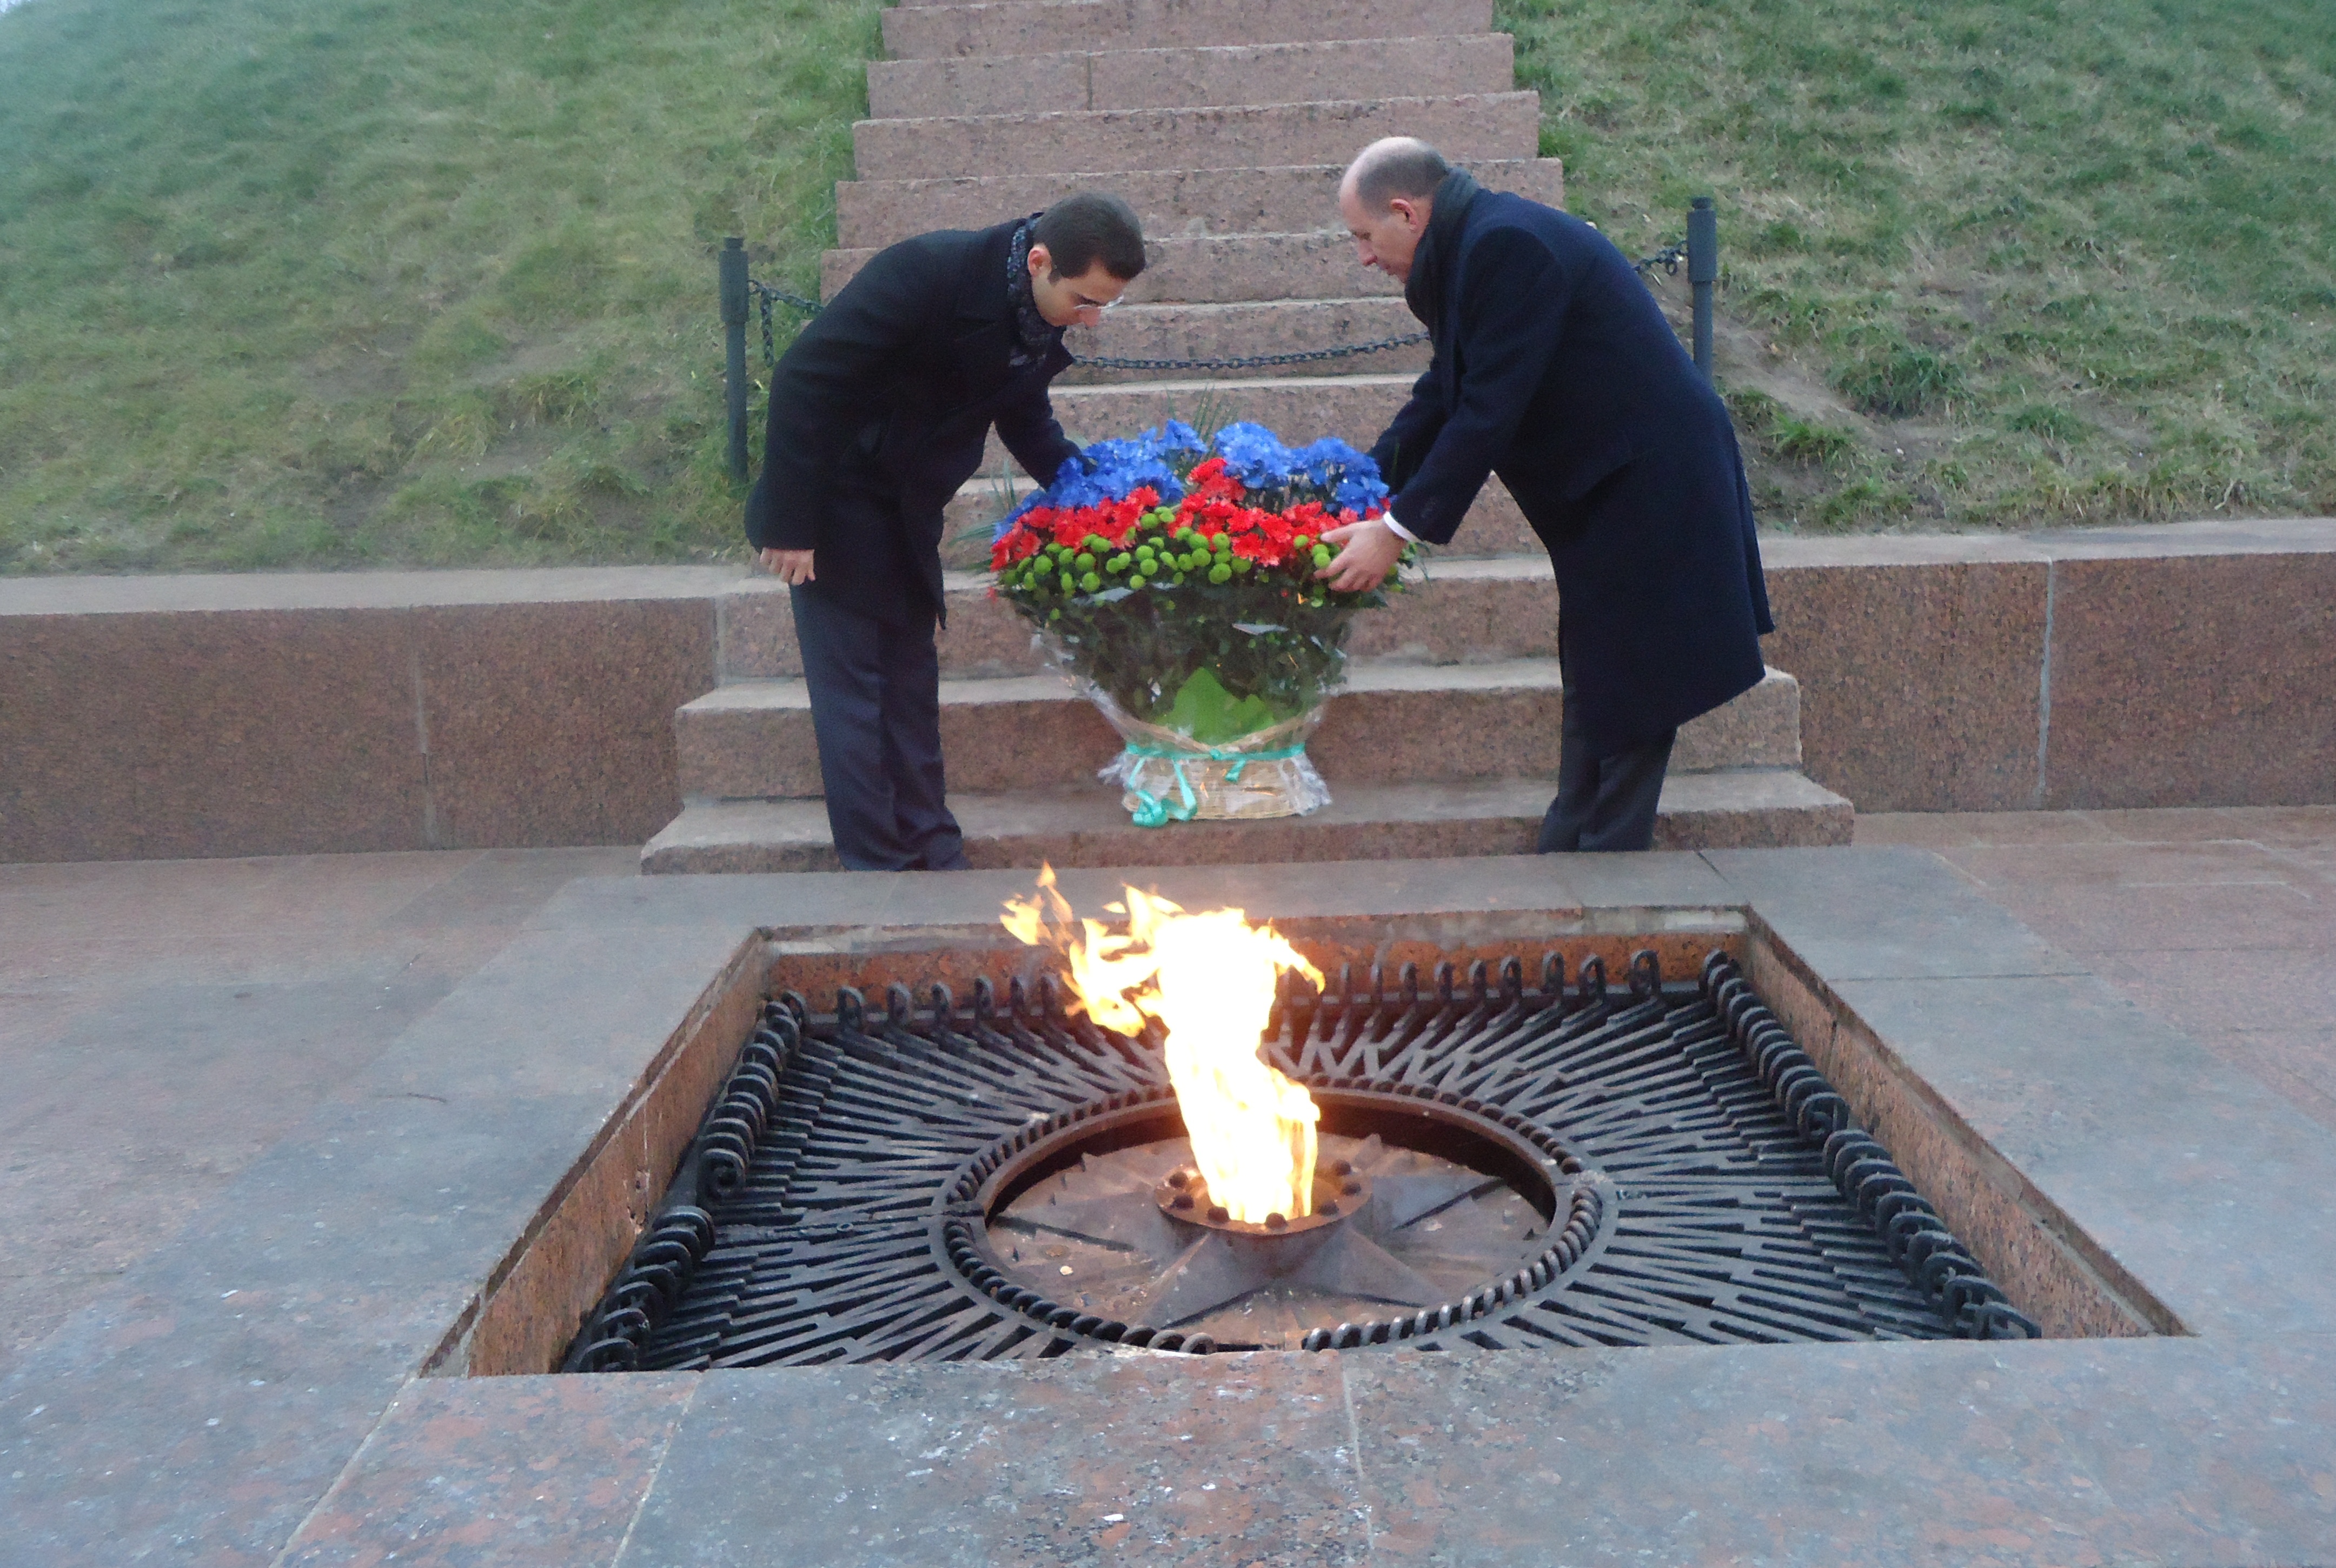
1214 704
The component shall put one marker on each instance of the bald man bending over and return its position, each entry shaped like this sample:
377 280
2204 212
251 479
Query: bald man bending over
1554 368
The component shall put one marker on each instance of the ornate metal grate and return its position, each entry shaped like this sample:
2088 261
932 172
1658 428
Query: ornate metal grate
1655 1165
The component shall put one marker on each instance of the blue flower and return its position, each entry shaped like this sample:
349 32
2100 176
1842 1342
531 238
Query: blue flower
1175 436
1360 490
1255 455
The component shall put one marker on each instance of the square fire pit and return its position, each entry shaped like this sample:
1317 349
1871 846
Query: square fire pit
1512 1155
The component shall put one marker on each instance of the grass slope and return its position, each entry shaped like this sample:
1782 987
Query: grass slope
285 282
1993 262
338 282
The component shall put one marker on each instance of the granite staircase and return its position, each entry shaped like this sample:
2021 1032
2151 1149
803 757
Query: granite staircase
1226 123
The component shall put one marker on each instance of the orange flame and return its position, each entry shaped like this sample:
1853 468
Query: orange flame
1209 979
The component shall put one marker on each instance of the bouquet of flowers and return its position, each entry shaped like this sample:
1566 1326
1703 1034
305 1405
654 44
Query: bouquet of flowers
1173 580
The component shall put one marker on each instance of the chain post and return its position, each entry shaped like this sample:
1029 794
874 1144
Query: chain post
1702 272
734 336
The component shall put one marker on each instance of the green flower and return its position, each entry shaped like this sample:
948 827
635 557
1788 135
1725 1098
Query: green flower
1220 573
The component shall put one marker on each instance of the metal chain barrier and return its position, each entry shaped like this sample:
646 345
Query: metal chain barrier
1252 360
1700 251
1669 258
766 297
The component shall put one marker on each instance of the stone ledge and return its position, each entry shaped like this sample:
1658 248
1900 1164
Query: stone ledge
1087 826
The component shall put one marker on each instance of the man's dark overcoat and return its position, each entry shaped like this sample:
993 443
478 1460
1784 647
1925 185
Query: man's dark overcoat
879 411
1554 368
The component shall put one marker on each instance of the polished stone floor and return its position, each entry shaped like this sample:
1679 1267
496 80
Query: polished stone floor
164 1025
163 1022
2222 922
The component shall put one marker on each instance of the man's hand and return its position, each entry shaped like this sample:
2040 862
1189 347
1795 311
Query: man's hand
793 566
1366 549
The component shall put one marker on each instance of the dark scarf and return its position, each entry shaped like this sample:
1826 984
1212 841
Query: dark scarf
1033 335
1439 248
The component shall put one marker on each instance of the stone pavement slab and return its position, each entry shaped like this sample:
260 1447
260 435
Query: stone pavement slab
2202 1184
2047 1453
300 1300
242 1361
525 1472
2220 922
161 1023
1884 913
1150 1459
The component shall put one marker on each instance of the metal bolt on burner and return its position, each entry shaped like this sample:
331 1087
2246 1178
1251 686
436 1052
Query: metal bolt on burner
1339 1191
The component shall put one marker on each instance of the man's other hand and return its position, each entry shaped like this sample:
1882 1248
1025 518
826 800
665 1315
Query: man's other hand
792 566
1366 549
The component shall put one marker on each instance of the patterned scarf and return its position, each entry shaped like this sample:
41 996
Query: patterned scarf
1034 336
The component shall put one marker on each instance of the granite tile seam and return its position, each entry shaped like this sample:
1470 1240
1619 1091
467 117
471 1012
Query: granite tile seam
656 1472
342 1482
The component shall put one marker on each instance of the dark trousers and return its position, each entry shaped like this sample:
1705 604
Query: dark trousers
876 709
1604 803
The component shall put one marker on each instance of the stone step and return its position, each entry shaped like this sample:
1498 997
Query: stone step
1178 78
1461 612
1737 809
1217 269
1251 136
1301 408
1249 328
1046 26
1290 199
1394 722
1494 528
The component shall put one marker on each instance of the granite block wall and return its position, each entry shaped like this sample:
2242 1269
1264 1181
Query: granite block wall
171 717
161 717
2186 663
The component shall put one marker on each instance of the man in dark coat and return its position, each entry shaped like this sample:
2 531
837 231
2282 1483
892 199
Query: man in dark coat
1554 368
879 413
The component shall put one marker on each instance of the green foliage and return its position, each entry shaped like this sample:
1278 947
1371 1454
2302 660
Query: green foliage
2075 258
1803 441
285 283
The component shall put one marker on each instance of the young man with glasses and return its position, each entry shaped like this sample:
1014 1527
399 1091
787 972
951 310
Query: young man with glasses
879 413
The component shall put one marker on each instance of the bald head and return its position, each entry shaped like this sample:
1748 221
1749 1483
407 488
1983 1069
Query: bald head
1385 197
1392 167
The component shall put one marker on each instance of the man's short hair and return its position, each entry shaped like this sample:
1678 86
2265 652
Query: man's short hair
1404 167
1090 227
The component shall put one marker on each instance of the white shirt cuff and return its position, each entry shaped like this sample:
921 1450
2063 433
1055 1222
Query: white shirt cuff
1397 529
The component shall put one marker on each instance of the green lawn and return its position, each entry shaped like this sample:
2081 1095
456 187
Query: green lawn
285 283
288 282
1989 264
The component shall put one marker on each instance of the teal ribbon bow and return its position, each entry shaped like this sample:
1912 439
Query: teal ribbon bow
1157 811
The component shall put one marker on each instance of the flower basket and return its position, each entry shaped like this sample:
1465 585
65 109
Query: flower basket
1172 581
